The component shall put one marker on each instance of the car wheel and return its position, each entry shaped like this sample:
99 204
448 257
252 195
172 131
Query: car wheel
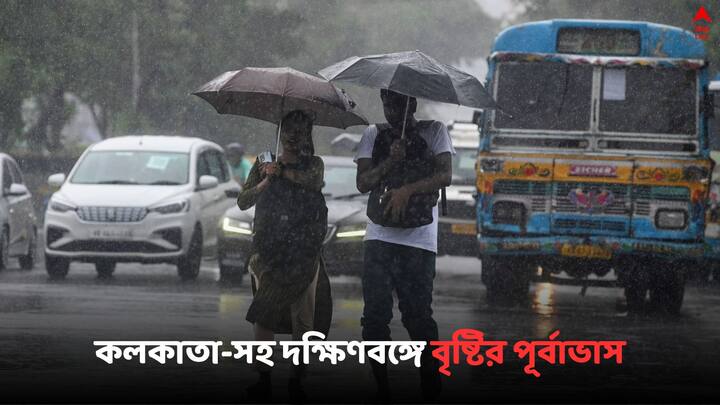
105 268
5 249
667 290
56 267
27 261
505 283
189 264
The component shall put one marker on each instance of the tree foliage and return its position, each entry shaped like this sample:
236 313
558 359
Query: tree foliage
85 47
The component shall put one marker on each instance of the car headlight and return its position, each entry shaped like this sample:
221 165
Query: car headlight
671 219
61 207
351 231
172 208
230 225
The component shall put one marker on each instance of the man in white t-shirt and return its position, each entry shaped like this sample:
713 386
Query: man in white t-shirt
402 259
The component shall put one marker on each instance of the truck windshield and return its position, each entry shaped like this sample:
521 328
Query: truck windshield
544 96
653 101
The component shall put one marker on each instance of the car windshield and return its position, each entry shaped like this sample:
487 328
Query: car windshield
132 167
544 96
463 169
662 101
340 181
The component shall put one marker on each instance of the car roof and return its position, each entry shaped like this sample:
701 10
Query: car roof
338 160
162 143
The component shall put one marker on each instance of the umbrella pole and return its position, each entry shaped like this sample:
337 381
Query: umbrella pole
277 142
407 107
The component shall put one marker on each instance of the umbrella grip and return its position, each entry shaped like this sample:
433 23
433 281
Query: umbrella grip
443 202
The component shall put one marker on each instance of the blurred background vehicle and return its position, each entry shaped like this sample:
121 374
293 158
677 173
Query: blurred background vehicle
18 232
143 199
347 220
457 231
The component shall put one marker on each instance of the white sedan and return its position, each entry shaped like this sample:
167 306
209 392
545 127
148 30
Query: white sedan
146 199
18 235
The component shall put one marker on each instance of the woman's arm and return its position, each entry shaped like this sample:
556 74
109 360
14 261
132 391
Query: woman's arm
254 185
312 178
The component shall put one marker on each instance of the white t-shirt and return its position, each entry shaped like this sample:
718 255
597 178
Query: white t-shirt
423 237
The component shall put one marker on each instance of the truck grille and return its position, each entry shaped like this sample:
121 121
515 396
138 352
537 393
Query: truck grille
520 187
645 196
535 193
585 225
617 206
112 214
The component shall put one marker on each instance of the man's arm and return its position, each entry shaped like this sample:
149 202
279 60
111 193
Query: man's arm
442 178
369 175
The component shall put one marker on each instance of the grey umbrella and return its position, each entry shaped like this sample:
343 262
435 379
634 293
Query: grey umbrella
413 74
270 93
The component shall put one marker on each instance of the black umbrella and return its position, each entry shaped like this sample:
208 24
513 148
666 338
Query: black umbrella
413 74
270 93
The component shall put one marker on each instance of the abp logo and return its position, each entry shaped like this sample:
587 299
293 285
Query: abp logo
701 23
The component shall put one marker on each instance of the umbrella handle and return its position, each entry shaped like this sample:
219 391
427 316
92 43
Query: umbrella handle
407 107
277 142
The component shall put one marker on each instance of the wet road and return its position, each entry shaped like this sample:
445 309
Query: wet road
47 329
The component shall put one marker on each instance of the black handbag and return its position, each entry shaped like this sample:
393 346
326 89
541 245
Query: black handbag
419 163
290 223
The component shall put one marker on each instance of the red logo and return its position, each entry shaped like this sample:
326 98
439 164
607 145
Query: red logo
702 22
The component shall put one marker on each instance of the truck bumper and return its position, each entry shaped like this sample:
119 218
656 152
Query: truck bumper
601 248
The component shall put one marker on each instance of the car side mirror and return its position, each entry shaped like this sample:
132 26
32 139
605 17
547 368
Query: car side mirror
17 189
232 193
56 180
207 182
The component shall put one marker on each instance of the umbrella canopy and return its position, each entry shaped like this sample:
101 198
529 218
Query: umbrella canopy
270 93
412 74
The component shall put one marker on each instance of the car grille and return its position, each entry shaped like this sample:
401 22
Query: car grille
112 214
114 246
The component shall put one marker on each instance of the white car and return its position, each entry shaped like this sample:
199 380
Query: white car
146 199
18 235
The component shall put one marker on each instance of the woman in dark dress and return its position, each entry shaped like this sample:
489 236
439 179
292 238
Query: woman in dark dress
292 297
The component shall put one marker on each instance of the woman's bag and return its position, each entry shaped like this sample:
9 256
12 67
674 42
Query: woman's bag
290 223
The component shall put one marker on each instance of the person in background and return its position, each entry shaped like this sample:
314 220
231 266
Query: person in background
240 165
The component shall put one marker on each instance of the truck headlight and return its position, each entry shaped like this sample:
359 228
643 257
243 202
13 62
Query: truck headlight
508 212
351 231
172 208
671 219
238 227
